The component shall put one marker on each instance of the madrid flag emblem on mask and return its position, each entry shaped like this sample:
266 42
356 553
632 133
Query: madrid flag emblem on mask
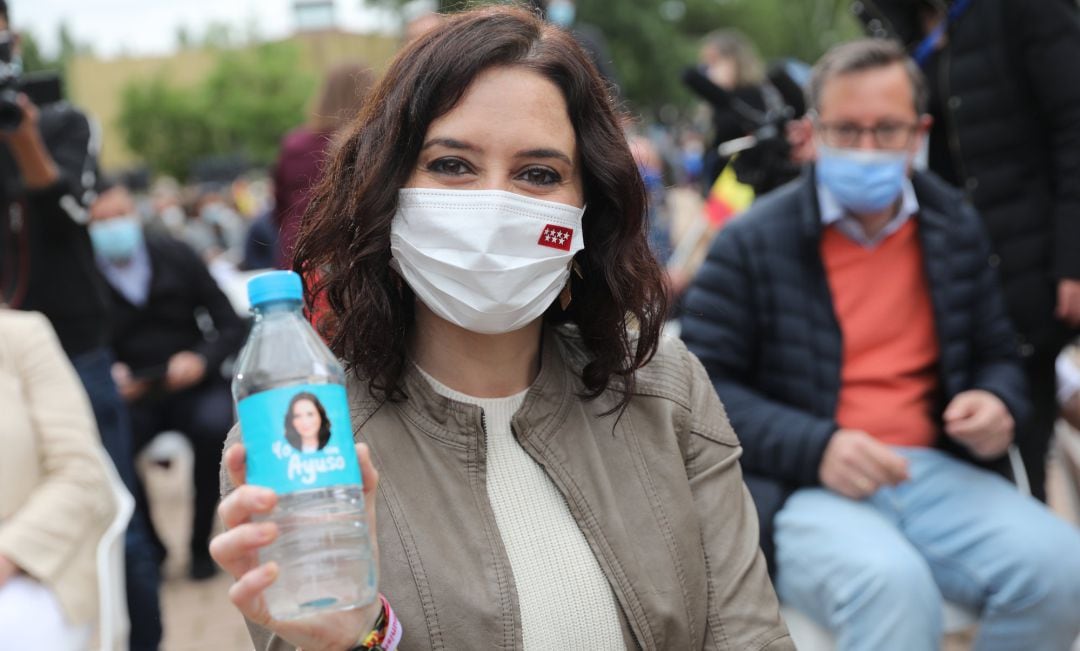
557 237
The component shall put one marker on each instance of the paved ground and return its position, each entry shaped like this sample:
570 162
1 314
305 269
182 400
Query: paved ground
198 615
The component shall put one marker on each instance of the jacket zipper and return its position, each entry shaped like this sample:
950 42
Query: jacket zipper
950 117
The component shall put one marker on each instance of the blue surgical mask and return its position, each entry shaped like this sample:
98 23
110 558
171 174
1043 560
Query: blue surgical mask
862 181
561 12
116 239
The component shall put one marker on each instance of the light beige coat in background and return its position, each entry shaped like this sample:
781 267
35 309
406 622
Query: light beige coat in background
55 499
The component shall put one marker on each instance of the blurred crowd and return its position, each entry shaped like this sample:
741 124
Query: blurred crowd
880 437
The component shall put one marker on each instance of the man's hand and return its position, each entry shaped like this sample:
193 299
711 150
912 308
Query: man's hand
1068 303
981 422
36 165
186 369
856 464
7 569
130 388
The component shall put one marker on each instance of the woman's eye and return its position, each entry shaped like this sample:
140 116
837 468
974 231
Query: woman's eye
540 176
450 166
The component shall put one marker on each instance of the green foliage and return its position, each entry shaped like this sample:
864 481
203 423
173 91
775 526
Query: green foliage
168 127
33 59
650 41
257 95
250 99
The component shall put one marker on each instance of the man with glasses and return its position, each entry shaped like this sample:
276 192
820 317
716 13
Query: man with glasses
855 331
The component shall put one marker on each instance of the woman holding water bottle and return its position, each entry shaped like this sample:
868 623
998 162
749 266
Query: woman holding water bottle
554 473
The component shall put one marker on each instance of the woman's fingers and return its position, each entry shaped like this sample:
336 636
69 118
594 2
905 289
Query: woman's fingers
236 464
237 550
240 505
247 593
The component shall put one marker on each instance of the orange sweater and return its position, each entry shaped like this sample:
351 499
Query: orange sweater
889 370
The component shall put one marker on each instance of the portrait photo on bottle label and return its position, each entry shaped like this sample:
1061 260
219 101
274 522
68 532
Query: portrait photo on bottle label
299 438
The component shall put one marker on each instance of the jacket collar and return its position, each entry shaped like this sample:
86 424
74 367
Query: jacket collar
456 423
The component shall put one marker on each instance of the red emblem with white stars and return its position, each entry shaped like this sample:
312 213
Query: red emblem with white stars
557 237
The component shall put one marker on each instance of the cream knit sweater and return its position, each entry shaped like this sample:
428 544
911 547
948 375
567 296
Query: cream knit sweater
564 597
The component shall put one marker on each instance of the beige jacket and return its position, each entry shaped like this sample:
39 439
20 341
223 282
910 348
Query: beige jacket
55 500
658 494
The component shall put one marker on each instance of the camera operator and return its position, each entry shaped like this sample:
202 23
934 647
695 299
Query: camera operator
751 111
47 166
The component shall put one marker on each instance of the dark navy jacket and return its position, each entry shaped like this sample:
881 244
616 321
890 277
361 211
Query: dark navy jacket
1007 92
760 316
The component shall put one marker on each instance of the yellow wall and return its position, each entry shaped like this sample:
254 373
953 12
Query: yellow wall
96 85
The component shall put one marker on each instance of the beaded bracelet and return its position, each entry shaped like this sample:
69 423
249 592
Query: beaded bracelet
386 634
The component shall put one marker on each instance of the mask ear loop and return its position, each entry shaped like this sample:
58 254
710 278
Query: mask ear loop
565 297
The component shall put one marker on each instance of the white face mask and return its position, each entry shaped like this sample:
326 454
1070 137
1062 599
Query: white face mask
486 260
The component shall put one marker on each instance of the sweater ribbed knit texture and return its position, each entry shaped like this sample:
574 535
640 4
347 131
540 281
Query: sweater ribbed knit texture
564 597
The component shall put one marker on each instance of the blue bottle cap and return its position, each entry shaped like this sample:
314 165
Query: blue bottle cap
275 286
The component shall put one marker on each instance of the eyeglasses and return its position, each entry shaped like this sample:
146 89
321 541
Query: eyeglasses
886 135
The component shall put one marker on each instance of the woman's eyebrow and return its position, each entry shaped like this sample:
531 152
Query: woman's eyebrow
450 143
544 153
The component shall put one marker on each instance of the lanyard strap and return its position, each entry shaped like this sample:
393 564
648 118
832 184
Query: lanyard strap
925 49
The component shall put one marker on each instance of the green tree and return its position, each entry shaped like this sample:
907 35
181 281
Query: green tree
245 105
166 126
650 41
218 36
253 97
183 38
33 59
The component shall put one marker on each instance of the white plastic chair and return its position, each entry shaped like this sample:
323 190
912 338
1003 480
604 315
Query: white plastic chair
113 622
809 636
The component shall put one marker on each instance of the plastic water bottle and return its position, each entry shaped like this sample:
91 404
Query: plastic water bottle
294 420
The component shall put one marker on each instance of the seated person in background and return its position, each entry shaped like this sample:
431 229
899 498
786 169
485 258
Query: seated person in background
55 499
172 330
853 328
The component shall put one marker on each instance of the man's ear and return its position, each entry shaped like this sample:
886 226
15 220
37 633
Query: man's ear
922 133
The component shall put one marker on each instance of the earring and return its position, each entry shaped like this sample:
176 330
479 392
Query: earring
565 297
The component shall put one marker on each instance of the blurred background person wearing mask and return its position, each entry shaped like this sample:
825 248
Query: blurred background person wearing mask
305 149
48 163
55 497
173 329
1005 98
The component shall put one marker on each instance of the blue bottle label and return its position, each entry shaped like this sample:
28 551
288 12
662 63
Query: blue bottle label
299 438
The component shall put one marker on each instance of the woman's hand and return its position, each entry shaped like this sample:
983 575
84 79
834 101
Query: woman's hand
237 549
7 569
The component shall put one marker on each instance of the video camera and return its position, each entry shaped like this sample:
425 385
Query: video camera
42 88
762 157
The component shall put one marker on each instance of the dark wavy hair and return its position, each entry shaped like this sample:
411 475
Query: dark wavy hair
619 299
292 436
